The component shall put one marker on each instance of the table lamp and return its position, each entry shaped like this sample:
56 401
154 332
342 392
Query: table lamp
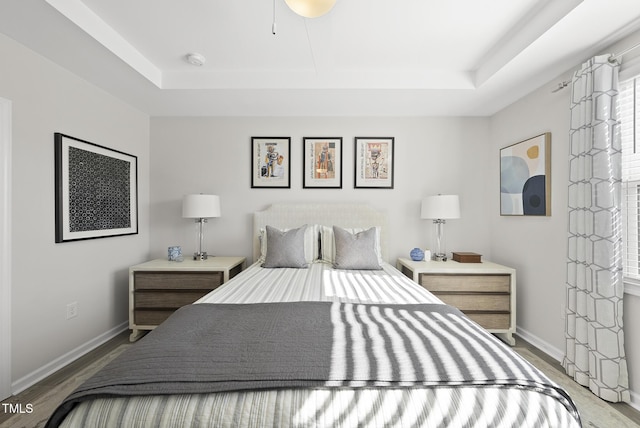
201 207
440 208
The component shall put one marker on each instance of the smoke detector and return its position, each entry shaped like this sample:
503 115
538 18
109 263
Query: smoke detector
195 59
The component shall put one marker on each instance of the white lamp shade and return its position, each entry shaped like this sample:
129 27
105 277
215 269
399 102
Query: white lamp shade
201 206
310 8
440 207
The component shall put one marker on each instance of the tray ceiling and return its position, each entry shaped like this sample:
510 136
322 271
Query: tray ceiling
365 57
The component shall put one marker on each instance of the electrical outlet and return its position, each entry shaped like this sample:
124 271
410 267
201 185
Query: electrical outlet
72 310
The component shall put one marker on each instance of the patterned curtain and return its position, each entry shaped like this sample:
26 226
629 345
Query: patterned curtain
595 354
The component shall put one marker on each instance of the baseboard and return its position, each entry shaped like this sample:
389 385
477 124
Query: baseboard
545 347
635 400
558 355
36 376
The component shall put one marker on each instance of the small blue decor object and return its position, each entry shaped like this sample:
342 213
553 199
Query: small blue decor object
417 255
175 254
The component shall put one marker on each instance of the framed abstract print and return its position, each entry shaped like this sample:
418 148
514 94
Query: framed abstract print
271 162
525 177
374 162
322 167
96 193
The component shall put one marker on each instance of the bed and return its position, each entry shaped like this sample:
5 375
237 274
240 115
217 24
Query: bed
319 332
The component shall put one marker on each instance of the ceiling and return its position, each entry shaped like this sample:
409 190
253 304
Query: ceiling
365 57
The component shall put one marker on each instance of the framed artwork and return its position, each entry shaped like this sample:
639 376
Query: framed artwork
96 193
374 162
525 177
271 162
322 163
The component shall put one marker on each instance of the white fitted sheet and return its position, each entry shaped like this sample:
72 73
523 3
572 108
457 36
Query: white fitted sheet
320 283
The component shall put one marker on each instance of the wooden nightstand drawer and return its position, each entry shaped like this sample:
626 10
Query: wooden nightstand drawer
477 302
235 270
491 321
167 299
177 280
469 283
151 316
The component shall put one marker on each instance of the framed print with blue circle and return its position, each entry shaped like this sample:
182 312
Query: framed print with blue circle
525 177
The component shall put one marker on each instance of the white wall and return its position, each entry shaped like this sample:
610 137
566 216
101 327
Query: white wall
212 155
537 247
46 276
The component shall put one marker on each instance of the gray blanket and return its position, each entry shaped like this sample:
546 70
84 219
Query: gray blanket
207 348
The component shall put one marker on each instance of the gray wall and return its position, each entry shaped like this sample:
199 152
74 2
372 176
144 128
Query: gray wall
537 247
212 155
47 276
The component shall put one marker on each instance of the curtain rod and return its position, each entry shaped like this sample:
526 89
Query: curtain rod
612 58
615 57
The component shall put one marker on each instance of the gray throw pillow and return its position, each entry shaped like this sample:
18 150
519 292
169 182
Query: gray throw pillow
355 251
285 249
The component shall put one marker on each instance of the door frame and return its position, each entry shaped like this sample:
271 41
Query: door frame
5 248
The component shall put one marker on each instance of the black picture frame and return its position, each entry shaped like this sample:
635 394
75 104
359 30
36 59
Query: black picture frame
271 162
374 160
96 191
322 163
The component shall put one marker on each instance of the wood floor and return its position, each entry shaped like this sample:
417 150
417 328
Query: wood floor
50 383
623 408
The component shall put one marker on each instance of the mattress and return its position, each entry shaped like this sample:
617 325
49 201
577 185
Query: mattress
439 406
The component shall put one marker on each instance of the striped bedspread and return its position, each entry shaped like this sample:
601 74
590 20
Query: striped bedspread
220 348
476 371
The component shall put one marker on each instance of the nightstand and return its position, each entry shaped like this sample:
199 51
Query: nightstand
485 292
158 287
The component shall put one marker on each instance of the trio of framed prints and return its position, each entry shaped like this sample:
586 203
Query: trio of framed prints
322 162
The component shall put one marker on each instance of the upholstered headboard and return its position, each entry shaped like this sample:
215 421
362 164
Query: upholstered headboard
291 215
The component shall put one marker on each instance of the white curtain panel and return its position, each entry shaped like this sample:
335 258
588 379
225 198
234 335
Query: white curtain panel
595 354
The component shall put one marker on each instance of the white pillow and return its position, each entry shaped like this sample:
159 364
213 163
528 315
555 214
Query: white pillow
311 250
327 242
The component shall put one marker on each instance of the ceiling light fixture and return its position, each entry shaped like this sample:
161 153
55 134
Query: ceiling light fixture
310 8
196 59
